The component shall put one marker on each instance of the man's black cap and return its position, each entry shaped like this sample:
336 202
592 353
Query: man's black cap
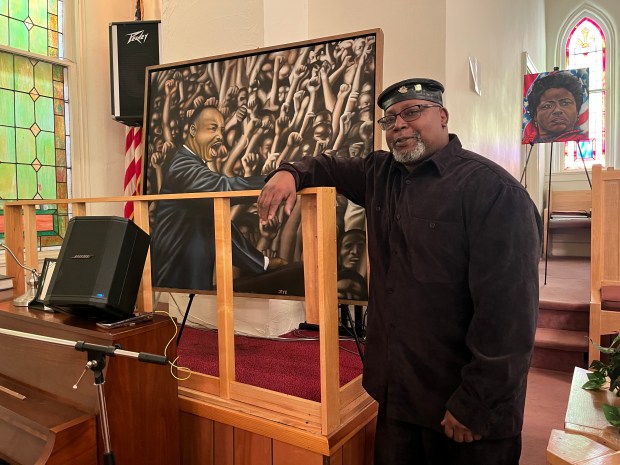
411 89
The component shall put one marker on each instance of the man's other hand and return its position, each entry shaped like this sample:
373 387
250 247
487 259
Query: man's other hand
456 430
280 189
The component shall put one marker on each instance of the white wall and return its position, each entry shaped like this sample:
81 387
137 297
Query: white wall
197 29
495 33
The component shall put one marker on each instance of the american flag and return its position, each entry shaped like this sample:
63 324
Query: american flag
134 149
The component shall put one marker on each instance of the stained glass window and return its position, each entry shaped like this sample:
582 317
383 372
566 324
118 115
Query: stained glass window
35 161
586 48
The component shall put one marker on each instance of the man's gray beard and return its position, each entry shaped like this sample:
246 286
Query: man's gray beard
410 156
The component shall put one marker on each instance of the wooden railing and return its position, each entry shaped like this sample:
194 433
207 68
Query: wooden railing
321 424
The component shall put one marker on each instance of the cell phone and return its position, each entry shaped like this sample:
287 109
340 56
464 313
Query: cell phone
126 322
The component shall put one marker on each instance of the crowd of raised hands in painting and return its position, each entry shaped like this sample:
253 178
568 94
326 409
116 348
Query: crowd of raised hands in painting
277 106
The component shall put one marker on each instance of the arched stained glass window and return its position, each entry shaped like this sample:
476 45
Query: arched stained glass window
35 161
586 48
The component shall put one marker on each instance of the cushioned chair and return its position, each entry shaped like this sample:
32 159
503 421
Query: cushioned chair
605 247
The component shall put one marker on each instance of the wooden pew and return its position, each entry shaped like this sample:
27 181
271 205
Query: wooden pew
570 210
605 256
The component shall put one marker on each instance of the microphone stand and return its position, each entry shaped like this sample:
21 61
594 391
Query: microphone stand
96 355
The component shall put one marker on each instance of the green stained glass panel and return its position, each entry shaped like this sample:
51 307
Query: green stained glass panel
4 30
38 12
24 76
27 187
47 182
7 144
25 146
38 40
45 113
8 181
34 110
18 9
43 78
32 25
18 34
7 79
24 110
46 152
7 115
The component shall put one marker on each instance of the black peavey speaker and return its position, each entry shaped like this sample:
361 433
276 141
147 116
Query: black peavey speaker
134 45
99 268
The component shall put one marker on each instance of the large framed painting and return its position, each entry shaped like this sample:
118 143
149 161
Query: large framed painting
226 122
555 106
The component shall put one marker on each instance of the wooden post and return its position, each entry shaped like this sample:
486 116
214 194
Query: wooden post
14 240
145 294
319 234
225 299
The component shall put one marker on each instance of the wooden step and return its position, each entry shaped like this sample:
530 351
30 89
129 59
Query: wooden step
562 339
562 319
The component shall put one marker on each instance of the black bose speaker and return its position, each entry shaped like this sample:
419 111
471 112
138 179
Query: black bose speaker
134 45
99 268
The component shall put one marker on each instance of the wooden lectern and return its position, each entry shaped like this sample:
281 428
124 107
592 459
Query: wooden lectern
44 420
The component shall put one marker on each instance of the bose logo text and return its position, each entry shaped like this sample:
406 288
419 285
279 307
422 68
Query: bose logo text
138 36
82 256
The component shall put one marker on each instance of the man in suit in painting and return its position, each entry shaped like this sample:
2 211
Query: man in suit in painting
183 243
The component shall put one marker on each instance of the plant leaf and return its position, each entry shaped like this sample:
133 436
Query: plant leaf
592 385
612 414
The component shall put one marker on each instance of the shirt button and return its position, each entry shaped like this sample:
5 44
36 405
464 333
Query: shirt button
408 181
398 216
378 208
390 291
431 225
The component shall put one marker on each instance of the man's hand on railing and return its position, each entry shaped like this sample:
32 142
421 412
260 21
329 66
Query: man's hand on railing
280 189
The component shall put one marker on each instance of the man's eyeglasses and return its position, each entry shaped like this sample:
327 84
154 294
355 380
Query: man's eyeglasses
411 113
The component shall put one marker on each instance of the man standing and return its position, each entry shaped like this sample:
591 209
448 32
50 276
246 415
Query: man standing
183 244
454 244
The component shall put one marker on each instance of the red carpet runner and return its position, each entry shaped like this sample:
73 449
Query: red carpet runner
290 367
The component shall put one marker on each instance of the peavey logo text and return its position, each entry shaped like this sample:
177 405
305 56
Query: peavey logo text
82 257
138 36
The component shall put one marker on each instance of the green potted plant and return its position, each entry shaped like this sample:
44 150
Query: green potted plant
602 372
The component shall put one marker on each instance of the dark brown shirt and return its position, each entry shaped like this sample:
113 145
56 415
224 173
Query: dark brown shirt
454 249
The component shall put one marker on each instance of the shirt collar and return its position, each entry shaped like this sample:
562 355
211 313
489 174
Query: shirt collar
441 159
444 157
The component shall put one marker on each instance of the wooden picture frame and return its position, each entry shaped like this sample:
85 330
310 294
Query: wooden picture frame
272 105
